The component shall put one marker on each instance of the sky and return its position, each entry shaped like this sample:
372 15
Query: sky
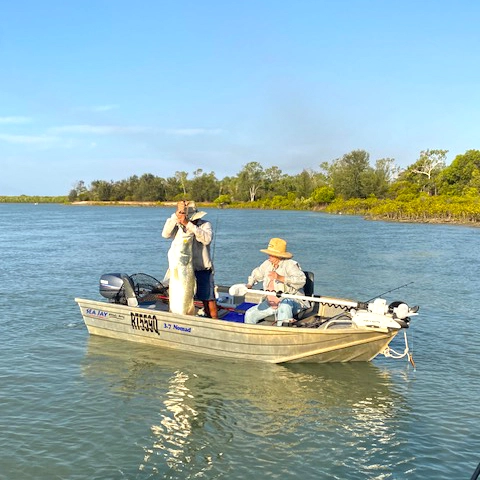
107 89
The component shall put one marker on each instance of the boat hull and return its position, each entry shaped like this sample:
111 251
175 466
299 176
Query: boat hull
220 338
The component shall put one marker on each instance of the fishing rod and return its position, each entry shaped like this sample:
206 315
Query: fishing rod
215 238
389 291
476 473
241 289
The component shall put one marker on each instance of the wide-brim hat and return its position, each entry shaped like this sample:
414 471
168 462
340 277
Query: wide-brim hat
197 215
192 213
277 247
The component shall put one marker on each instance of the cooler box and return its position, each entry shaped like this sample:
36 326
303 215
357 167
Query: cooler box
238 315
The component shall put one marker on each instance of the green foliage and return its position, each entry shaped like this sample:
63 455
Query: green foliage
352 206
250 180
430 208
204 186
33 199
377 181
403 187
223 199
462 175
351 175
279 202
425 173
323 195
425 191
304 184
424 208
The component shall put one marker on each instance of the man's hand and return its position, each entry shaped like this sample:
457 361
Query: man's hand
181 213
273 275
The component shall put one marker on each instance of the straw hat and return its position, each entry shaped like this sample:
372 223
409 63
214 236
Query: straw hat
277 247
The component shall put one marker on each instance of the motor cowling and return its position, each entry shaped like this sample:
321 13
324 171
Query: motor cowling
402 312
374 321
129 289
112 287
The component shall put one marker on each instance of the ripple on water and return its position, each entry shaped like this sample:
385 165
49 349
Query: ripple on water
80 407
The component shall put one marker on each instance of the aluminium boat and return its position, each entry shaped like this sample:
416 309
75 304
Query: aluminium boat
136 308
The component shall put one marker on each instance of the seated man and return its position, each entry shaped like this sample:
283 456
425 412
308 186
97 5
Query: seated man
279 272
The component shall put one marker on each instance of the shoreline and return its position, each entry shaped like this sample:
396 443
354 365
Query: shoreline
433 221
366 216
123 203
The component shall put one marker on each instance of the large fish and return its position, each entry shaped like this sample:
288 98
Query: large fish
182 277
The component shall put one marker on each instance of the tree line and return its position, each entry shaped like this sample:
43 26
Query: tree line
427 190
350 177
33 199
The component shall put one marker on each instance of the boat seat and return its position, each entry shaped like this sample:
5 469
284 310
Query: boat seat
309 286
308 290
310 311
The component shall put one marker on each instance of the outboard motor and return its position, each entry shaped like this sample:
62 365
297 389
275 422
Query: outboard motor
130 290
118 288
402 312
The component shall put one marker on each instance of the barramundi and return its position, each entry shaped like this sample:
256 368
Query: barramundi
182 276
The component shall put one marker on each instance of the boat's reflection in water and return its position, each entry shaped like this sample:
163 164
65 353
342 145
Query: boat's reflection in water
203 410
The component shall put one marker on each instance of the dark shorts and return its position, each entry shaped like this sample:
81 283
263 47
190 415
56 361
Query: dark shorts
205 285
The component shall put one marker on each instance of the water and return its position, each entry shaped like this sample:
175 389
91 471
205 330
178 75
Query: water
80 407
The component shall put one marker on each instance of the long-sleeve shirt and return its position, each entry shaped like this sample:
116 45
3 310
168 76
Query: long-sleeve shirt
203 233
294 277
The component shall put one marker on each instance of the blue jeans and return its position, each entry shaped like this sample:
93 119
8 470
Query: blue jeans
287 308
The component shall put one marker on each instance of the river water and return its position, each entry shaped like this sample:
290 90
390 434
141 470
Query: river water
80 407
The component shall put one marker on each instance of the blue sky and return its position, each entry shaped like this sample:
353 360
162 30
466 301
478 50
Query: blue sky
107 89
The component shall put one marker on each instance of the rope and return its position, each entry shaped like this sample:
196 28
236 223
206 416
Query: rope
391 353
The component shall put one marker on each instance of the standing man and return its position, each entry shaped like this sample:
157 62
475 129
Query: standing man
188 220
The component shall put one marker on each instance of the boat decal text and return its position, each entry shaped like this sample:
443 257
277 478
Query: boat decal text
147 323
96 313
174 326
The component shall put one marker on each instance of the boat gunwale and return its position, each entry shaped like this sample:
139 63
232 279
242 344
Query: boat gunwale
255 342
221 324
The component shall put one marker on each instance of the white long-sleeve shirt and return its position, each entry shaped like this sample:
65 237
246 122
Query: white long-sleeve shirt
294 277
203 233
